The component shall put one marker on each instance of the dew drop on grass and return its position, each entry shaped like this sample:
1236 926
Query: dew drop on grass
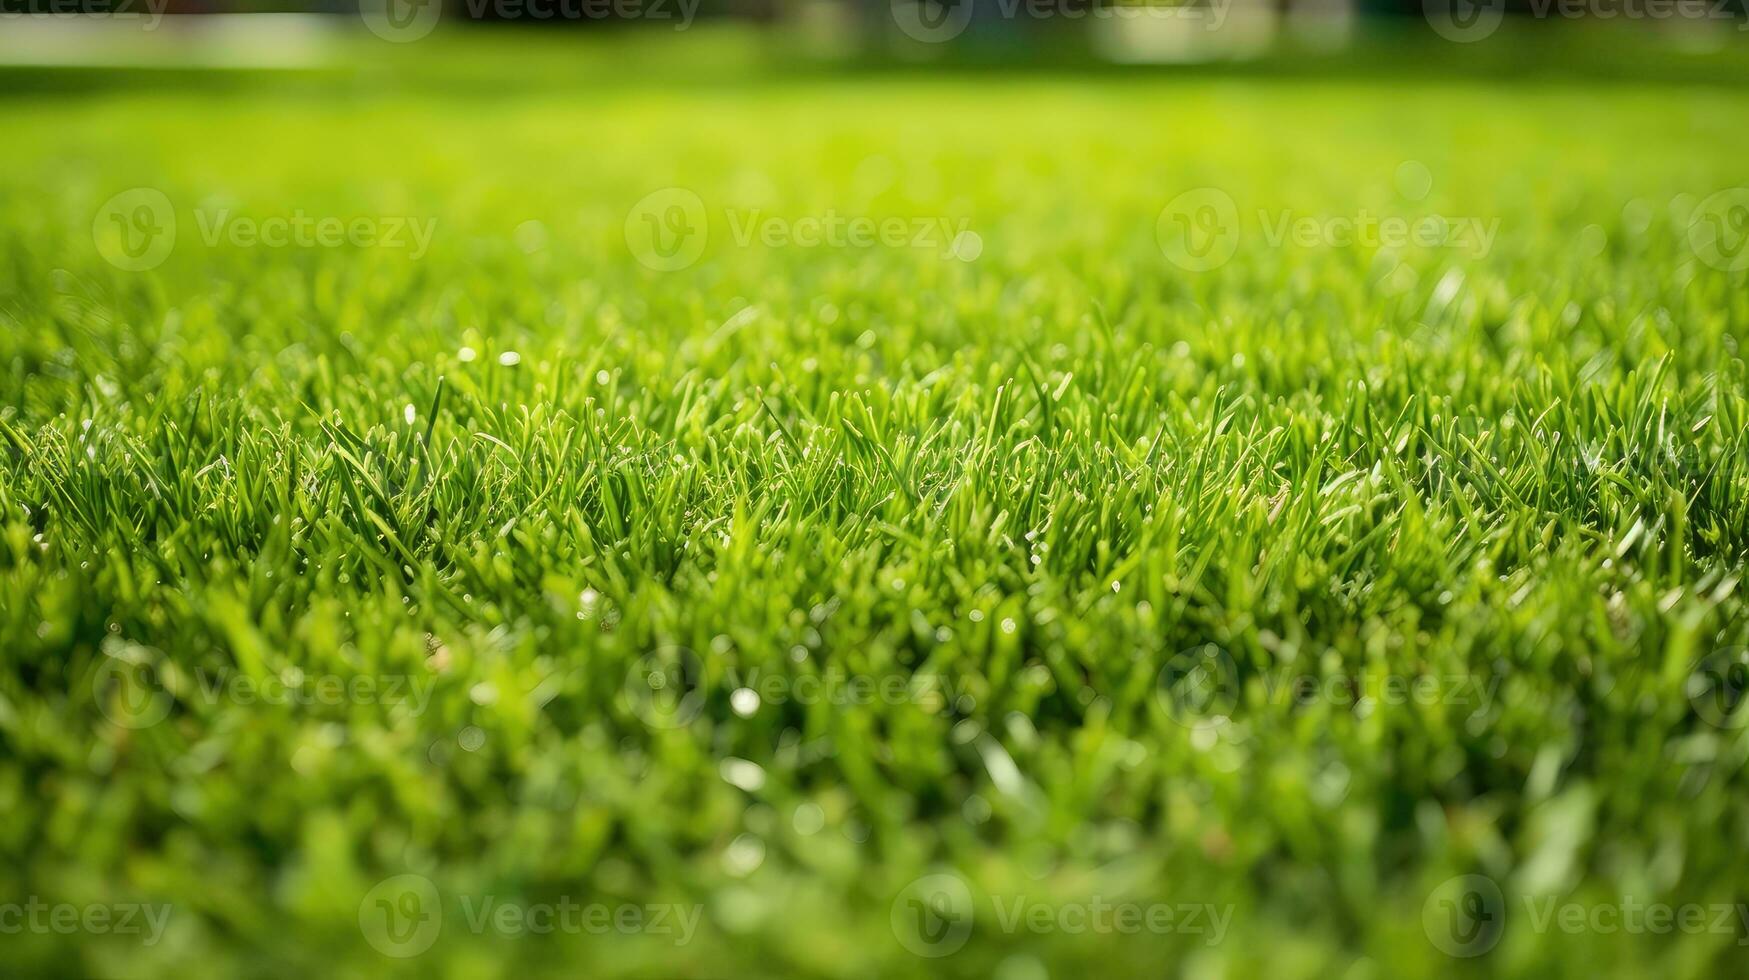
745 701
1414 180
967 246
305 760
744 855
809 819
742 774
1636 216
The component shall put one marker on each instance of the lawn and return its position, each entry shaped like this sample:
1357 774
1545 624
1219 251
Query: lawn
570 514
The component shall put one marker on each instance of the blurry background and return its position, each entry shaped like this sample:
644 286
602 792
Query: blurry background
1002 32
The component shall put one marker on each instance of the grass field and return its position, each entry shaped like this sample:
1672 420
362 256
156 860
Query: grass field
1112 551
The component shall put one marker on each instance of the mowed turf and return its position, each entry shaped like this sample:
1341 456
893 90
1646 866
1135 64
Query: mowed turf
1275 594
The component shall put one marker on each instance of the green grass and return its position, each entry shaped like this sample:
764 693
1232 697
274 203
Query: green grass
1025 493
